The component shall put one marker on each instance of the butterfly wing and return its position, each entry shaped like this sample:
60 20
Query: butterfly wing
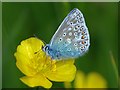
72 37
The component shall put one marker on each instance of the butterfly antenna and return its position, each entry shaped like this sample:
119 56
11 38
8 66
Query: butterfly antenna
35 35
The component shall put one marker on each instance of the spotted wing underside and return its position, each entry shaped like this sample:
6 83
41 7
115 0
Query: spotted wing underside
72 37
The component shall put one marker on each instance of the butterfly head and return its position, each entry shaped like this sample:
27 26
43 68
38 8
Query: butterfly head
51 52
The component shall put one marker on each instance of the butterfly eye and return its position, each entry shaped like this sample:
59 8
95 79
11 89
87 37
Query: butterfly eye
46 48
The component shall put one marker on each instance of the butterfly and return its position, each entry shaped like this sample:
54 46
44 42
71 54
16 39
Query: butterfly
71 39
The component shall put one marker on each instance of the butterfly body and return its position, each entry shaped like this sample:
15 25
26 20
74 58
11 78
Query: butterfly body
71 40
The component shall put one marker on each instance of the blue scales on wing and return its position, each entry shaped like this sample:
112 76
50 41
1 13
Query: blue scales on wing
71 40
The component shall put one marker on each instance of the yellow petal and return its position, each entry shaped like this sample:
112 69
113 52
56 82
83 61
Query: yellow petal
27 61
65 71
37 80
29 46
23 64
79 80
93 78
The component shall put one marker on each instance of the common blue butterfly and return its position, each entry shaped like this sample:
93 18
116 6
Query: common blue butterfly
71 39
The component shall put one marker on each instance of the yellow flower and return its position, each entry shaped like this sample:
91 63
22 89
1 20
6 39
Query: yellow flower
93 80
39 68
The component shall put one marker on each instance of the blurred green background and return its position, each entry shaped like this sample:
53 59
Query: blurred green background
23 20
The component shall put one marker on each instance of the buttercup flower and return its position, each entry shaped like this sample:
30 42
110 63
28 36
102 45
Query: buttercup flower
93 80
39 68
